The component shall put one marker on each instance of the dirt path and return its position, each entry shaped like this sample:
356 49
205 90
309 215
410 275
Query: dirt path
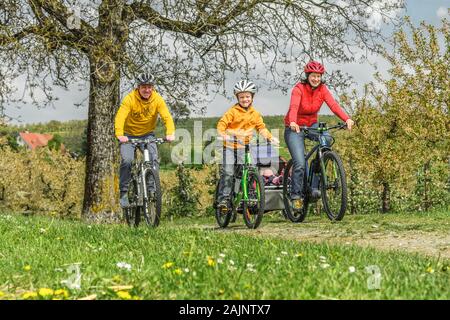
436 244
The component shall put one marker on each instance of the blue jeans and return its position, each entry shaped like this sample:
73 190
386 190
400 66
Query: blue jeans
296 145
227 171
127 154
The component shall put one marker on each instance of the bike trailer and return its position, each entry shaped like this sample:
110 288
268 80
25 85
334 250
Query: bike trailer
271 168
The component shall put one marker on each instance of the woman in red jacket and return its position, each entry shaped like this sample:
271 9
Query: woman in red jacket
306 99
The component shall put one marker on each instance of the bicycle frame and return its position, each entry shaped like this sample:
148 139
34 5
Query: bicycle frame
141 167
318 150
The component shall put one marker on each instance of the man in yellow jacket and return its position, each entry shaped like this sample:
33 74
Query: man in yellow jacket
239 121
136 118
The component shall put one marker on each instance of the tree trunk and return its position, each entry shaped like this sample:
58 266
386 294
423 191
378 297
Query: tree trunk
386 198
101 183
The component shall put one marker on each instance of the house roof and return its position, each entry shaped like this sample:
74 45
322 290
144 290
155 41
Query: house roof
34 140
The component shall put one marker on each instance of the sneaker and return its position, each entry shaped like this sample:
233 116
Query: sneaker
297 204
223 205
124 203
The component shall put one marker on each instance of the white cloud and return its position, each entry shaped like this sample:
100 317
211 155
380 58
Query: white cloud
442 12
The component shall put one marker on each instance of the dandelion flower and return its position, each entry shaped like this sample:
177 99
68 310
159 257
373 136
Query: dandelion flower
2 293
62 292
211 261
430 270
299 254
45 292
178 271
125 295
27 267
29 295
167 265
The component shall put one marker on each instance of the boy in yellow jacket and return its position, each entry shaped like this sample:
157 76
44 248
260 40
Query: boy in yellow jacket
239 121
136 118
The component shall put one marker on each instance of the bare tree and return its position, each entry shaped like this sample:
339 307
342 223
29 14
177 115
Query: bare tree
191 46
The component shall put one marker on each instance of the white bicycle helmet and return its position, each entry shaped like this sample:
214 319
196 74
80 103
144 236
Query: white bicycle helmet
244 86
145 78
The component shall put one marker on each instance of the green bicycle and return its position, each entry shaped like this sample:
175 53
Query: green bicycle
247 194
324 178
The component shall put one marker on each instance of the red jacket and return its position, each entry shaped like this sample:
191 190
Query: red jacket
306 102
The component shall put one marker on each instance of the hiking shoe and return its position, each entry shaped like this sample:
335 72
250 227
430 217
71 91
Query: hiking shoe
297 204
223 206
124 203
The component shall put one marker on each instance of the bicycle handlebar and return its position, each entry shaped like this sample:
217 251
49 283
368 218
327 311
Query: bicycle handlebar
239 141
338 126
147 140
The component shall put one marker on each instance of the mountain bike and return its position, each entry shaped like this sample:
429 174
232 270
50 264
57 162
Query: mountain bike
324 178
247 194
144 191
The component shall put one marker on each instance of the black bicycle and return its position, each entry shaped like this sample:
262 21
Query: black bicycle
144 191
324 178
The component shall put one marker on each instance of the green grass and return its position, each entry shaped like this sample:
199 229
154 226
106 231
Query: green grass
261 268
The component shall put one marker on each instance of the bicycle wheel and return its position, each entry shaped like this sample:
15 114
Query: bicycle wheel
152 204
223 218
293 215
133 212
253 209
334 192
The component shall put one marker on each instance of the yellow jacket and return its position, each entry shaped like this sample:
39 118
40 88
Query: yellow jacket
137 117
241 122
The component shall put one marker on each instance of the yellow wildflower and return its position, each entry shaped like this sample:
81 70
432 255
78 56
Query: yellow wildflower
27 267
62 292
29 294
178 271
125 295
299 255
2 293
44 292
211 261
167 265
117 278
430 270
221 291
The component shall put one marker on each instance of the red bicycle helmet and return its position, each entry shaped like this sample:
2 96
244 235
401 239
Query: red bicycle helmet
314 66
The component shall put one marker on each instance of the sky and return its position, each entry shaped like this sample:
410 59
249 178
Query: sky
267 102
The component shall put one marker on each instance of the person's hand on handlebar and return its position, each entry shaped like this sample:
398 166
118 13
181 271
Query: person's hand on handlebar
123 139
294 127
170 138
275 141
349 123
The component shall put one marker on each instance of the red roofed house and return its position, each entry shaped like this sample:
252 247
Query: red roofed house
33 140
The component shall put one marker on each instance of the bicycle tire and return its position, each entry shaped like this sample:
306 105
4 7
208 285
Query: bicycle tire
295 216
334 183
133 212
152 205
223 219
253 210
